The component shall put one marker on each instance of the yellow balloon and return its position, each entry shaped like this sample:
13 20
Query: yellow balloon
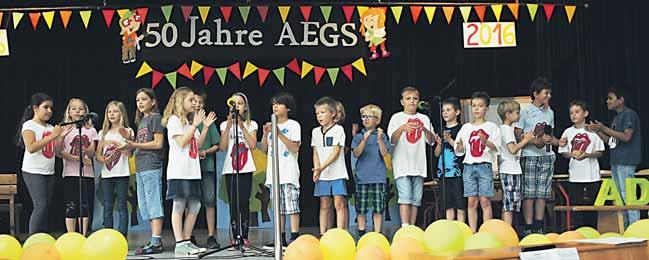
444 238
302 249
411 231
374 239
639 229
569 235
482 240
466 230
69 245
105 244
588 232
403 248
10 247
552 236
371 252
503 231
535 239
337 244
309 238
610 234
40 251
37 239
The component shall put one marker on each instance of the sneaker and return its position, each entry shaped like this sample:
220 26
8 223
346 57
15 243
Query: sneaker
149 249
212 244
271 246
385 54
183 250
374 56
246 242
199 249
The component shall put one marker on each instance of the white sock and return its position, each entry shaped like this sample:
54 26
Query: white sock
404 224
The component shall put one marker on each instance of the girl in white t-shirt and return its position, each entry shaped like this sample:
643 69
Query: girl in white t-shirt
113 153
240 162
184 169
40 141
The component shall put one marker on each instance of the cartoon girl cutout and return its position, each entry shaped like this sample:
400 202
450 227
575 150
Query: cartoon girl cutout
373 29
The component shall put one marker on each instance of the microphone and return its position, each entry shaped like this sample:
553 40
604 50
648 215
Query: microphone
422 105
231 102
92 116
548 131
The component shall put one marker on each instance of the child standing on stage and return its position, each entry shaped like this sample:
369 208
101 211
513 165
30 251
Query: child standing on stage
40 141
480 138
148 161
509 163
184 170
329 170
409 131
583 148
73 144
239 159
454 197
289 134
114 155
369 146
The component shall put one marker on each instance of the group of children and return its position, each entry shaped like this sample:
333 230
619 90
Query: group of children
521 146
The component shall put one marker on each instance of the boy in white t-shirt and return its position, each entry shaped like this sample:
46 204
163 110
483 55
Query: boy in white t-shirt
583 148
480 138
409 131
509 162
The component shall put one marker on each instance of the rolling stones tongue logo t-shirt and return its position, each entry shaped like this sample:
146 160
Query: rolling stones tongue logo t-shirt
239 161
586 170
414 135
539 129
112 156
477 146
116 164
242 162
193 148
74 144
580 142
475 149
41 161
71 144
48 150
183 160
409 153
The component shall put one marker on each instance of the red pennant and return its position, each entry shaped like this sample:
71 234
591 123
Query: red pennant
186 10
155 79
480 10
349 12
236 70
263 74
226 11
384 8
184 70
108 16
318 74
347 70
294 67
34 18
549 9
306 12
263 12
415 11
207 74
142 11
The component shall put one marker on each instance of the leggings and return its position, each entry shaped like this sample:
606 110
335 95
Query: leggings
40 188
115 188
193 206
243 204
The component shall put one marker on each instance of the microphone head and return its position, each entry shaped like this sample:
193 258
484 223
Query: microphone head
423 105
92 116
231 102
547 130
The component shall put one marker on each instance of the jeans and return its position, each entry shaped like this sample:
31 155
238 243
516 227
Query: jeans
620 173
40 188
112 188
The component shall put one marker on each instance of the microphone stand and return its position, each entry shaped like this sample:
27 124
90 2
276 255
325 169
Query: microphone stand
79 125
442 157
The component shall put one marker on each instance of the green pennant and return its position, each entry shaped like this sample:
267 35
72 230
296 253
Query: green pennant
244 10
326 11
166 11
171 77
333 75
222 73
279 73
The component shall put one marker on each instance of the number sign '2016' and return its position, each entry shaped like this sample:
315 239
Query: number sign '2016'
489 35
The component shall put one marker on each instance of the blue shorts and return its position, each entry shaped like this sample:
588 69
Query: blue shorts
330 188
478 180
149 194
410 189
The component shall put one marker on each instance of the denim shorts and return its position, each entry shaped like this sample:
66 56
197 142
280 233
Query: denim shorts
330 188
410 189
478 180
208 189
149 194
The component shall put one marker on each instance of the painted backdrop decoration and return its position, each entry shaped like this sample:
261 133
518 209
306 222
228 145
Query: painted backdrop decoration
373 29
130 24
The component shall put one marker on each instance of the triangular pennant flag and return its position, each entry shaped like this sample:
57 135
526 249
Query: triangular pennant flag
514 9
171 77
226 11
333 75
204 11
396 12
279 74
85 17
34 17
263 74
166 11
184 70
222 73
16 18
108 16
318 74
347 70
415 11
360 66
430 13
142 12
155 79
497 9
49 18
306 68
306 12
236 70
348 10
480 11
326 11
448 13
144 69
570 12
532 9
294 67
186 10
361 9
244 11
465 11
195 67
283 12
263 12
65 18
207 74
249 69
548 9
122 12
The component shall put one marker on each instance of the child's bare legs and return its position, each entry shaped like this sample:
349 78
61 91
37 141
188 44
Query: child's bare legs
295 223
210 215
72 223
331 220
450 214
472 210
183 231
461 215
325 207
156 227
340 204
404 213
361 221
413 215
378 222
508 217
487 212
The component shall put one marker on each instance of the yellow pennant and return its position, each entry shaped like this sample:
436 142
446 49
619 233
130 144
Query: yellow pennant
497 9
144 69
195 68
122 12
466 11
396 11
430 13
49 17
250 68
204 11
283 11
570 12
361 9
532 9
85 17
16 18
306 68
360 66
